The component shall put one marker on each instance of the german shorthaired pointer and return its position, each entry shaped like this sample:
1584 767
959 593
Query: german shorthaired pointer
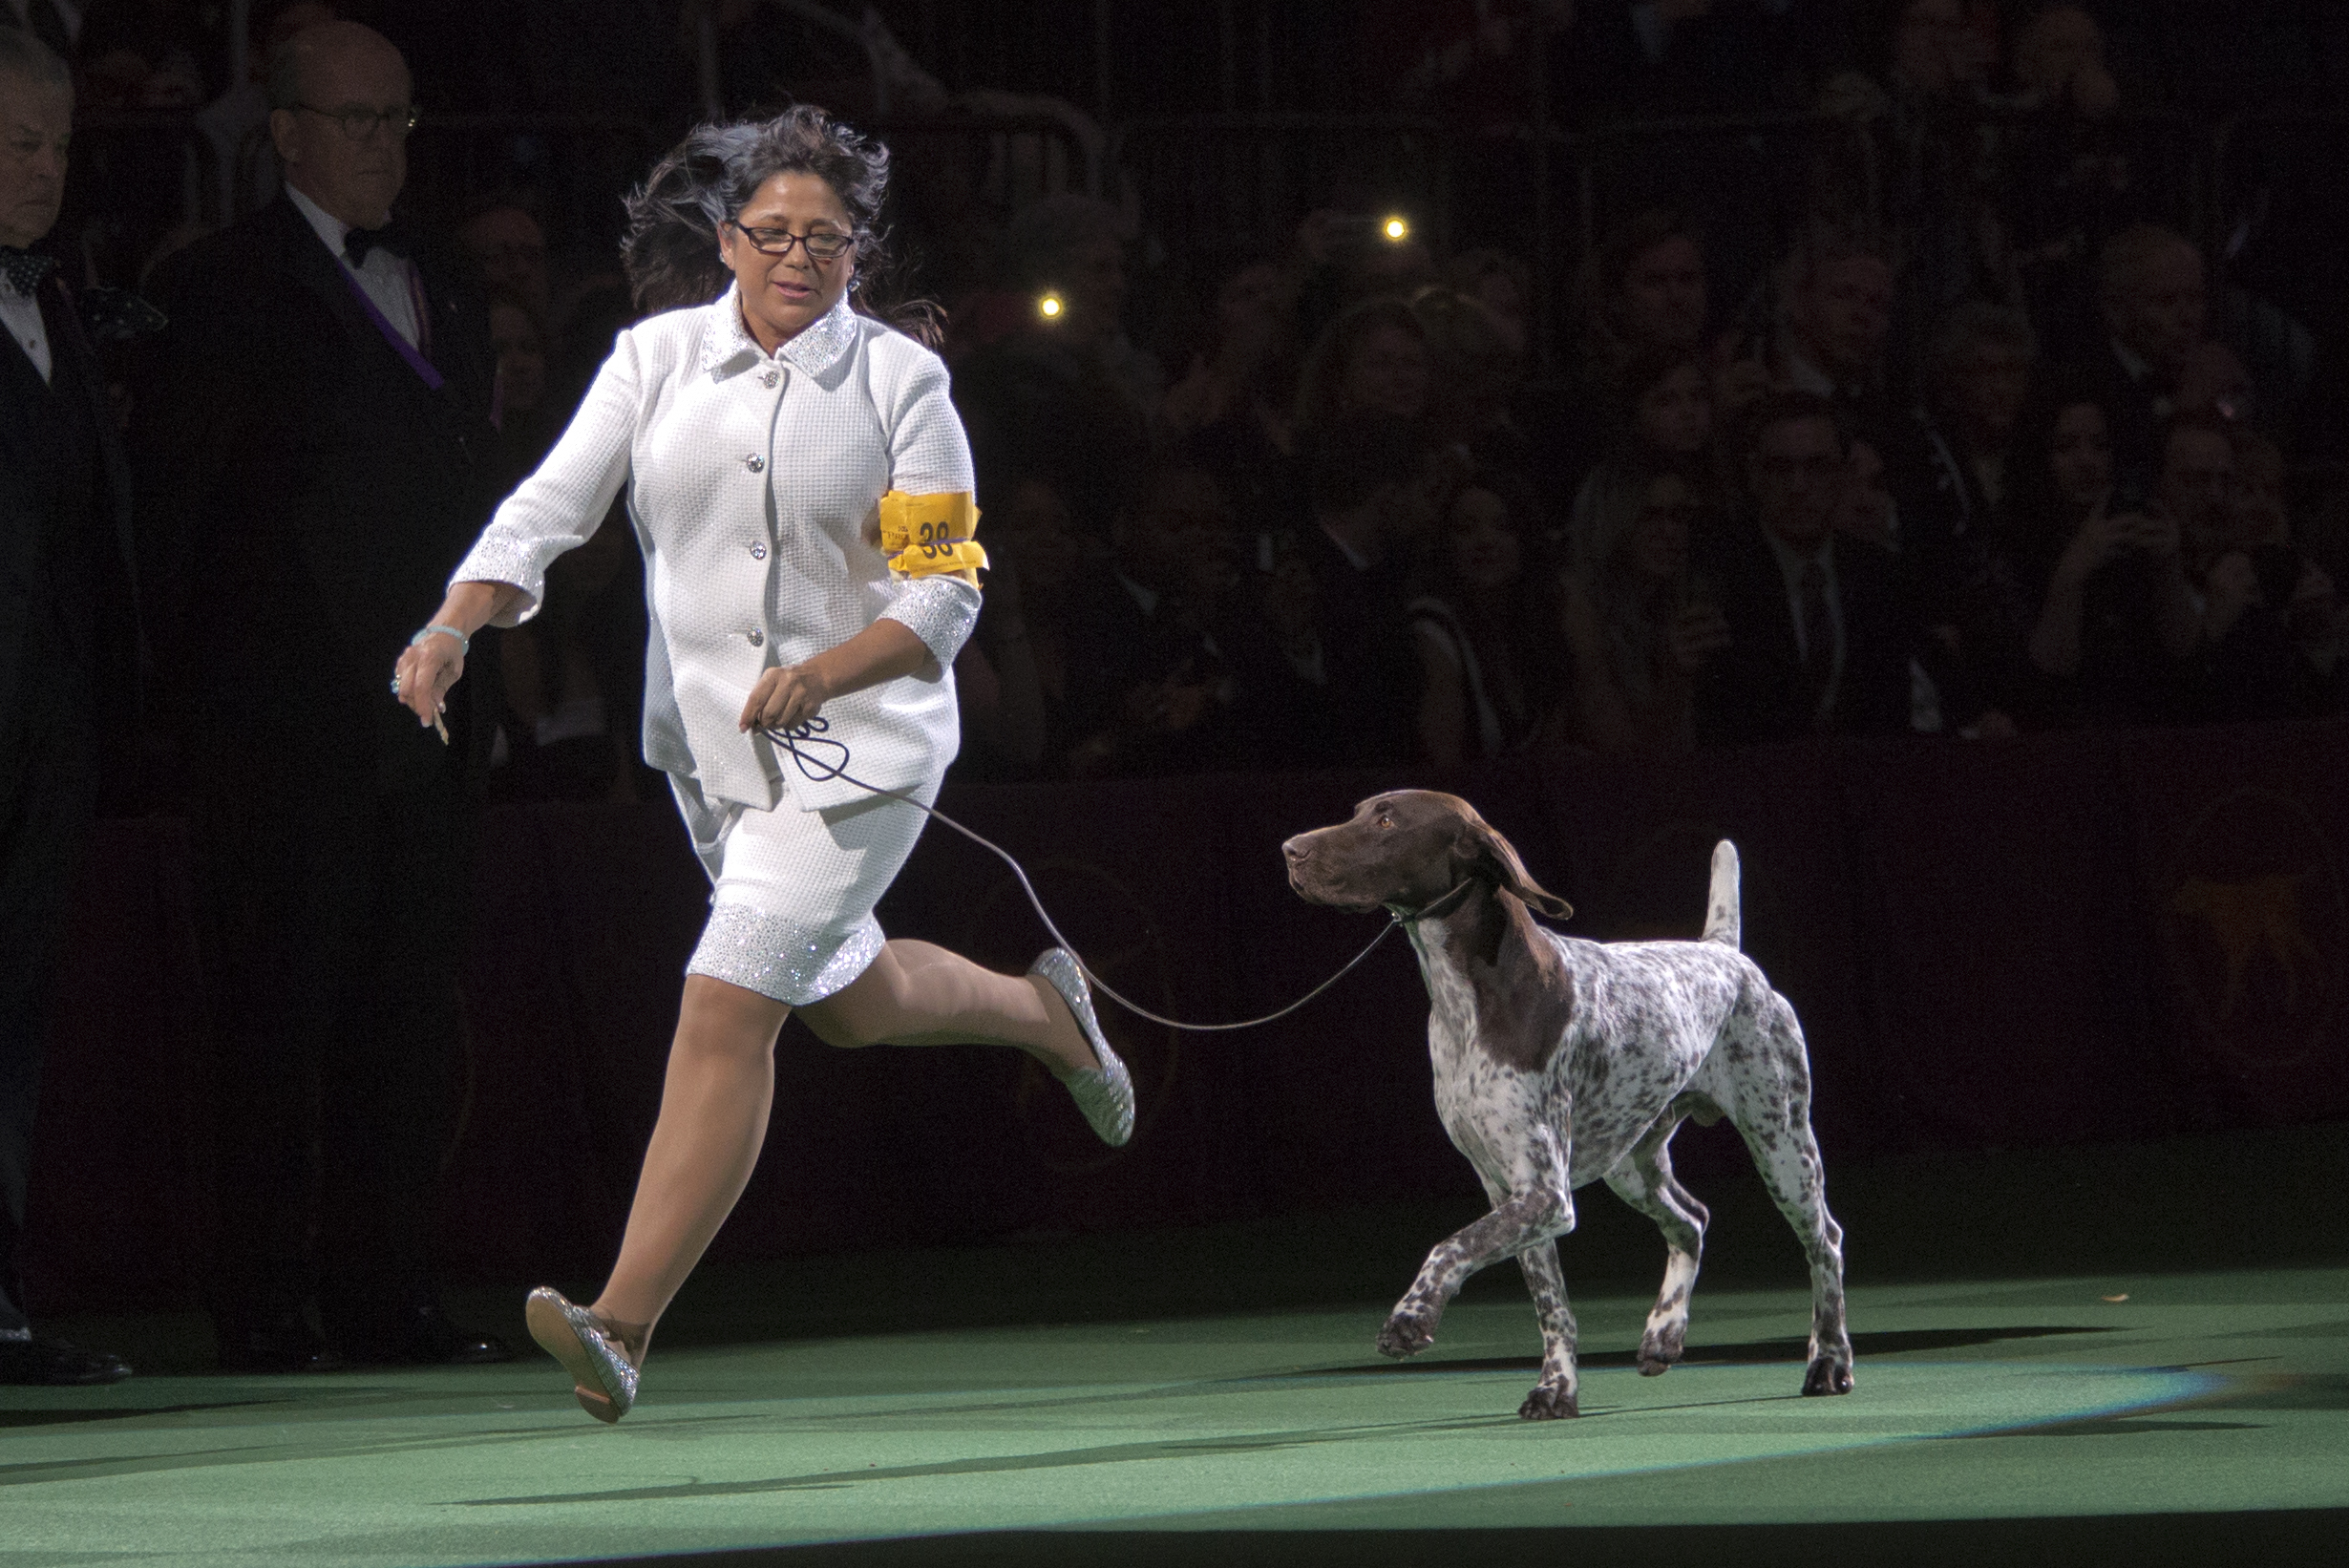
1560 1062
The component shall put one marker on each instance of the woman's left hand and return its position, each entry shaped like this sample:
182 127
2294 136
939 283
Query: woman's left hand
786 697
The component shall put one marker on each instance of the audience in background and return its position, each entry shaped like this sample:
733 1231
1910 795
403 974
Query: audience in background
1640 626
1396 503
1372 488
1485 625
1817 640
2117 626
1372 360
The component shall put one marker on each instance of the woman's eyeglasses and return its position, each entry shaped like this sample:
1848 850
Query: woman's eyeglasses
824 245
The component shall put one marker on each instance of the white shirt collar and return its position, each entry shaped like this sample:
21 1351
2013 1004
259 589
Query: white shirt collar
330 229
817 346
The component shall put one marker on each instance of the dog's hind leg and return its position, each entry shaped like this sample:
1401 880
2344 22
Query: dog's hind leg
1646 1181
1555 1395
1773 1116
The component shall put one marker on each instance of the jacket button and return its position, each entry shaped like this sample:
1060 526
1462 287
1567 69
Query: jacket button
758 637
758 552
755 462
770 378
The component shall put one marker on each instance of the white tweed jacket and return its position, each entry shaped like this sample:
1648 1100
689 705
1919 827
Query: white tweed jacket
754 482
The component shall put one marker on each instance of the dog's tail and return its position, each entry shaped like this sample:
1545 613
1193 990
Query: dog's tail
1722 922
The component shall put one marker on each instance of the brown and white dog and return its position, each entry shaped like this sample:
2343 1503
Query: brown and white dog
1560 1062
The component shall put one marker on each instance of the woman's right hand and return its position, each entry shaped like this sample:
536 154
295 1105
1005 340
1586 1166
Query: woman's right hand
424 673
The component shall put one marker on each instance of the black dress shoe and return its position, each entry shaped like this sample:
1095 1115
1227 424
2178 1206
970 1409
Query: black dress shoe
58 1364
274 1345
419 1334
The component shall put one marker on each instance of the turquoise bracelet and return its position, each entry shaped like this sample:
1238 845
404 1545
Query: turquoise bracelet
464 644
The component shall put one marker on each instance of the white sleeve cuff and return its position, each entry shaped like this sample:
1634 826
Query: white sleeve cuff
940 610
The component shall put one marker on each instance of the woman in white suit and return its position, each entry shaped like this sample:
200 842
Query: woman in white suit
801 486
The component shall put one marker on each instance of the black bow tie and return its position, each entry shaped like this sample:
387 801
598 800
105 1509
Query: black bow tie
392 238
25 269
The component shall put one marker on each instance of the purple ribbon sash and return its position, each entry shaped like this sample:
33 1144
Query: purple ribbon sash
408 350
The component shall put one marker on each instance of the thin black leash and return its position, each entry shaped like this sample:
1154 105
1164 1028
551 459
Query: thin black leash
812 734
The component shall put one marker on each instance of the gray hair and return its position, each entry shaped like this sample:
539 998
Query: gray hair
25 58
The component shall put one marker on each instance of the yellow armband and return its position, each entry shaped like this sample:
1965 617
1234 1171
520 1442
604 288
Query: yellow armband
926 535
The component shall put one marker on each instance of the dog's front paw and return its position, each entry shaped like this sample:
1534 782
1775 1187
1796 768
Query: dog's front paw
1828 1376
1408 1332
1550 1402
1660 1349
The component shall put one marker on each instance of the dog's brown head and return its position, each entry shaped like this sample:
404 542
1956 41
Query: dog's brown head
1407 849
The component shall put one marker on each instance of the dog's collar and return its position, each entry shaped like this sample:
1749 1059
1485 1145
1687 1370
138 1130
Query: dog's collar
1441 907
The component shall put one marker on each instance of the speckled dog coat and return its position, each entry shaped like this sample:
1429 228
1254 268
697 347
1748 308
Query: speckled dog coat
1560 1062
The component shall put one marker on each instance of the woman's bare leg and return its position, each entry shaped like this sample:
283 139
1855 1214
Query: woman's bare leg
720 1088
714 1104
916 993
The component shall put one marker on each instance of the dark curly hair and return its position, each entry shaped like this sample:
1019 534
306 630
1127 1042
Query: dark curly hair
672 249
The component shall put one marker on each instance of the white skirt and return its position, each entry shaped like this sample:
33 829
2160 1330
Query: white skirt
791 916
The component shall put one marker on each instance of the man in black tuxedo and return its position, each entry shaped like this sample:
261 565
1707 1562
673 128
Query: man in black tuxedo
65 538
1818 634
321 423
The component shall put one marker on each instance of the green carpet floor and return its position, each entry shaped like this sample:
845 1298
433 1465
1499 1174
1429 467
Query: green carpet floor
2125 1354
2222 1393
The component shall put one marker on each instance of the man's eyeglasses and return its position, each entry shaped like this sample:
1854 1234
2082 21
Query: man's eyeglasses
359 124
824 245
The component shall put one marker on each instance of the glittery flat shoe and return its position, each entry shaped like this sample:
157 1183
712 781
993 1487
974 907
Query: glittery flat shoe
601 1376
1104 1093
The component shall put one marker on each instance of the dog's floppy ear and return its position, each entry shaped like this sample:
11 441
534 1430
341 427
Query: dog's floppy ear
1483 848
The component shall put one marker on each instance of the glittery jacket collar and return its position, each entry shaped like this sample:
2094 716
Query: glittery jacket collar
729 349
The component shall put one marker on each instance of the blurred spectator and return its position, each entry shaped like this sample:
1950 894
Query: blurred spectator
1647 59
236 122
571 675
1485 625
1977 373
1028 638
1341 258
1836 303
1503 286
2269 613
1074 248
321 422
1644 285
1066 395
2116 624
141 53
2154 310
1231 415
2066 167
1660 417
68 638
56 23
1373 360
1641 626
1161 677
1818 638
1372 482
1475 363
1929 177
506 243
998 691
